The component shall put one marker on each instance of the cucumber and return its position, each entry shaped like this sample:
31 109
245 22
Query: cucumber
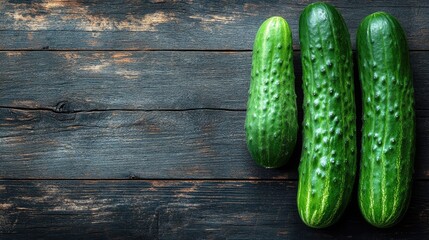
328 161
271 120
388 134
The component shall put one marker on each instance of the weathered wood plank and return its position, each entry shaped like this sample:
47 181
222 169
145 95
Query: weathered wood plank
124 80
197 144
181 210
179 144
144 80
128 24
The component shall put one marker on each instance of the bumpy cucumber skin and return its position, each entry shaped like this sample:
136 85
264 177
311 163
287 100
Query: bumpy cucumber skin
388 134
328 162
271 120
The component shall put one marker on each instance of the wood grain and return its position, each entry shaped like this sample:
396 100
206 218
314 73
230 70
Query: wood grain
144 80
195 144
124 80
129 24
180 210
126 144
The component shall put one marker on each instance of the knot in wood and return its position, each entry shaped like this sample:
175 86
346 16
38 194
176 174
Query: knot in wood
63 107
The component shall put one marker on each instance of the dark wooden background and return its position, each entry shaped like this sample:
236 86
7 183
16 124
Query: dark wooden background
125 120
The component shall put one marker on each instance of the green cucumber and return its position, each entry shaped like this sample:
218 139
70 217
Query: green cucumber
388 134
271 120
328 162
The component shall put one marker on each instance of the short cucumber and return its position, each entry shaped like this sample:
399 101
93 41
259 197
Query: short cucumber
328 161
388 135
271 119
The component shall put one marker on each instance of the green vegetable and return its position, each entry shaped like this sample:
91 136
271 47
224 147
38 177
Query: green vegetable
271 119
328 161
388 136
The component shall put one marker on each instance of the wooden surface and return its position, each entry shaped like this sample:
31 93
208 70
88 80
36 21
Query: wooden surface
125 120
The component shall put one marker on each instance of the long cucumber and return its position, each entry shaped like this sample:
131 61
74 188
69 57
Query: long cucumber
328 161
388 135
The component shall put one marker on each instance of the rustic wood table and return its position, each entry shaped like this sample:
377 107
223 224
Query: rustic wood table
125 120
